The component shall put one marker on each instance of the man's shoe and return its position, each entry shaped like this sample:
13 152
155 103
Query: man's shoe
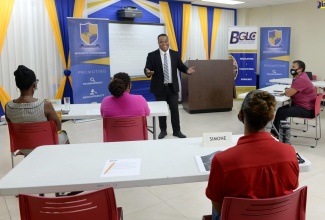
162 134
179 134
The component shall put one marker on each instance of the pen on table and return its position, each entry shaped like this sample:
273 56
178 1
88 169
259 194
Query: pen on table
109 167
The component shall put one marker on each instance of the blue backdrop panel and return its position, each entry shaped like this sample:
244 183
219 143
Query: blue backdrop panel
142 87
274 54
88 40
110 12
1 110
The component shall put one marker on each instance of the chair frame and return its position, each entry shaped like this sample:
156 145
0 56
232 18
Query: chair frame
317 119
83 206
126 126
38 133
268 208
257 208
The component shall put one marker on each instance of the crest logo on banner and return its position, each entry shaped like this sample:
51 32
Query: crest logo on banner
275 37
89 33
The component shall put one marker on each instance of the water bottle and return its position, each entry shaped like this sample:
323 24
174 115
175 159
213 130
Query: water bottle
284 132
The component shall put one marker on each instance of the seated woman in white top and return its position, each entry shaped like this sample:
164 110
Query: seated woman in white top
27 109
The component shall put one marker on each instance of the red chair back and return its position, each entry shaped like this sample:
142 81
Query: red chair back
32 135
125 129
318 103
292 206
314 77
99 204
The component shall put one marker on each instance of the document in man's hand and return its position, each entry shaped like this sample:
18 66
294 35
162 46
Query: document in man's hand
204 162
121 167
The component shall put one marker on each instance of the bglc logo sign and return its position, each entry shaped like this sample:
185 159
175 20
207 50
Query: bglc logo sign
237 37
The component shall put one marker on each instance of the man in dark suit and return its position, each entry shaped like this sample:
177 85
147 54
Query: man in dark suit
162 65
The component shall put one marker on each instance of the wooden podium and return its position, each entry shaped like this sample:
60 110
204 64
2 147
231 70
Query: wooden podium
210 88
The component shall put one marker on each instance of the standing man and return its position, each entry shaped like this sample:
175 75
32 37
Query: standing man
162 65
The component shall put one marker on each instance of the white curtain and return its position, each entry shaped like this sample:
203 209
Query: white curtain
195 45
30 41
221 47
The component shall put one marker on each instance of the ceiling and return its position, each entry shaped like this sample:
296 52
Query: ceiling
247 4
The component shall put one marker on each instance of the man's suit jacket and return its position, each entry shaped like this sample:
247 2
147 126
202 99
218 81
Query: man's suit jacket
154 63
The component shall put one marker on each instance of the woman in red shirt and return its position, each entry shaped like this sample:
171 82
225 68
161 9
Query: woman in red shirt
258 166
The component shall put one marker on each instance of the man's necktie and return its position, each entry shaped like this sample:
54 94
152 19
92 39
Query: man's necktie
166 75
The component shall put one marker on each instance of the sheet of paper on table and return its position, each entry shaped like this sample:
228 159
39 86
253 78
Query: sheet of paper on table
121 167
204 162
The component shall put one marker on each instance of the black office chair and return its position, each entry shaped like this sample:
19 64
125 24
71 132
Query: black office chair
310 75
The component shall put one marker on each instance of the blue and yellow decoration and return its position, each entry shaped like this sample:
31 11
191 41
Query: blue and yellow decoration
320 4
58 11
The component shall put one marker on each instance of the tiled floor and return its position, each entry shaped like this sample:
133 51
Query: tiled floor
182 201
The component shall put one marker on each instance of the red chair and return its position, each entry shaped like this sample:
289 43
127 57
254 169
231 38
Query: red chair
99 204
30 136
323 98
317 120
314 77
292 206
125 129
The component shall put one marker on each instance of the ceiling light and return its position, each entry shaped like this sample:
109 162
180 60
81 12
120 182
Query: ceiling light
228 2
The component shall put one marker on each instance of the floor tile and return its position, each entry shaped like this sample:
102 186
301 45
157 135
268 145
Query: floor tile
4 212
156 212
135 199
192 205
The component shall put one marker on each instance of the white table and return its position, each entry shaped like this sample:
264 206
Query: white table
92 111
273 90
288 81
74 167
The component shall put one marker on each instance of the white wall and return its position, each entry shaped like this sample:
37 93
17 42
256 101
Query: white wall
307 30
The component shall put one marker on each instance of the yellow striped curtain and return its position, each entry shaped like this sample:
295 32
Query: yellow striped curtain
215 27
203 12
5 13
186 25
77 12
4 98
169 25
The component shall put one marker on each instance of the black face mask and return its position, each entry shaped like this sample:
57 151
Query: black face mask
293 72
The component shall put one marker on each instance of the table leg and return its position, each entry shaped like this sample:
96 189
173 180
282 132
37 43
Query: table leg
154 127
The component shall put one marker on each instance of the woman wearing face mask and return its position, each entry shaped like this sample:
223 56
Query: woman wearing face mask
303 96
258 166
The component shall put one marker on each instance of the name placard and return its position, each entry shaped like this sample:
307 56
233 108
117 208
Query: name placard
217 139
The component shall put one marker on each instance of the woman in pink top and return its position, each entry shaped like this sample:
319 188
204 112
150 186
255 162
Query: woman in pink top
303 96
122 103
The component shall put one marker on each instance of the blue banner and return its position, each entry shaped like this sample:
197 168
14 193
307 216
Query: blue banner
90 63
274 54
242 48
